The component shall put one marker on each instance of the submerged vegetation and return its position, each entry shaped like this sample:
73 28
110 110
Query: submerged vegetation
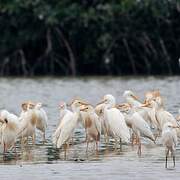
91 37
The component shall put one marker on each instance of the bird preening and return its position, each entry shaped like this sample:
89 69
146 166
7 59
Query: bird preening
126 123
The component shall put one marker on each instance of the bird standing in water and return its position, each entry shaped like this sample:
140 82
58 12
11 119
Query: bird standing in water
67 125
92 125
9 129
169 140
116 123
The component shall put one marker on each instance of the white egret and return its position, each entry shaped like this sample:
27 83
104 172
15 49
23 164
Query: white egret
9 129
162 116
62 110
27 125
92 125
99 110
41 122
151 95
139 127
132 99
169 140
136 122
147 113
67 125
24 107
115 119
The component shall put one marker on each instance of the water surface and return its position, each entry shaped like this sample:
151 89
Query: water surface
46 162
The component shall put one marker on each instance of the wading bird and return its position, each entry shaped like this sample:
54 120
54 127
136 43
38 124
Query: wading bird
27 125
138 125
132 99
9 129
41 121
67 125
169 140
92 125
162 116
116 123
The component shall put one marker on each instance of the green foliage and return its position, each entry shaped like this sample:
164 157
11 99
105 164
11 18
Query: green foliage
89 37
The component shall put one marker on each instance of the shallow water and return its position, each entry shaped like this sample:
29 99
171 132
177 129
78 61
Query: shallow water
45 162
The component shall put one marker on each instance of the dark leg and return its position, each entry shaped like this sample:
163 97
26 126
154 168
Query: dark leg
139 146
120 144
4 147
166 158
132 139
87 144
174 160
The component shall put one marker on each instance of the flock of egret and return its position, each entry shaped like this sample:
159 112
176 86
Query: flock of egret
125 123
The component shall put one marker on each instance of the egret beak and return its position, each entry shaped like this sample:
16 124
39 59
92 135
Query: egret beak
147 104
84 103
119 106
175 127
102 102
83 109
135 97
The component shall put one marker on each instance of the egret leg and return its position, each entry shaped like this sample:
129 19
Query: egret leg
139 147
107 136
166 158
97 148
132 139
72 141
34 138
4 148
87 145
65 149
120 141
173 155
174 161
44 137
116 144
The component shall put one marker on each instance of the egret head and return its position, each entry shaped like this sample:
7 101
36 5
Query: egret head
159 101
87 108
129 93
38 105
99 109
31 105
109 100
76 104
24 106
151 94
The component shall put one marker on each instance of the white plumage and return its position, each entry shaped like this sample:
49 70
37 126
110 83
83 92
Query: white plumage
28 124
115 119
67 125
41 122
9 129
169 140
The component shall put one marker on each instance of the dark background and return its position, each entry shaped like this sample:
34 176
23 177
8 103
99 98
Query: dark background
89 37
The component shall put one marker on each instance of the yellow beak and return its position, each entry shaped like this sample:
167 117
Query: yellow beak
135 97
147 104
83 109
